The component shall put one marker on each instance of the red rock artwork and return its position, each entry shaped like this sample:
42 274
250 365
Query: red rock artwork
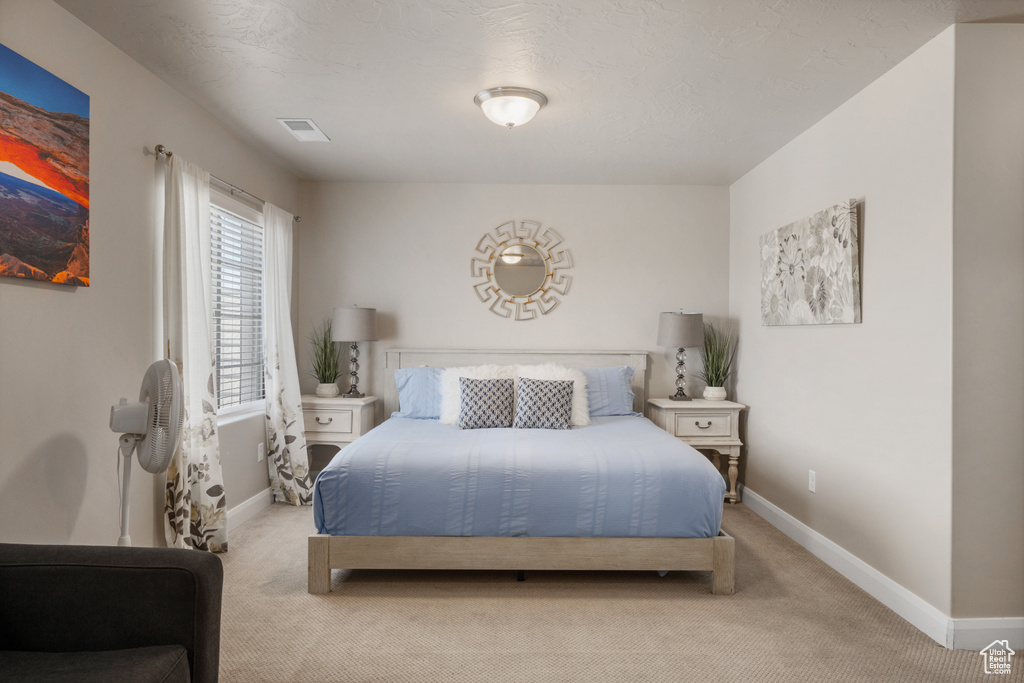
44 175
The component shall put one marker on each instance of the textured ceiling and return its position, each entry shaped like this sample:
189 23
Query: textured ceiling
640 91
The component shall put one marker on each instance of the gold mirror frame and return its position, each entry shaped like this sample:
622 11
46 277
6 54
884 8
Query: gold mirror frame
557 260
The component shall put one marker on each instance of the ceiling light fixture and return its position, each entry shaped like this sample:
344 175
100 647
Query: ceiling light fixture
510 107
511 259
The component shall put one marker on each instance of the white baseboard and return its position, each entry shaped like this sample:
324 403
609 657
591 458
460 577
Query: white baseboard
960 634
247 509
975 634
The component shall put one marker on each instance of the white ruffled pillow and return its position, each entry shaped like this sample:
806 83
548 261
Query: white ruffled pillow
580 400
451 393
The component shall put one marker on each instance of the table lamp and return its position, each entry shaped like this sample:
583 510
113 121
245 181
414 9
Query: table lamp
354 324
680 330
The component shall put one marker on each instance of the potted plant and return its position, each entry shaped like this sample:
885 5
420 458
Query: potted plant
326 358
718 354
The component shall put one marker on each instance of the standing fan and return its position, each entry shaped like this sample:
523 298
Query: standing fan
151 427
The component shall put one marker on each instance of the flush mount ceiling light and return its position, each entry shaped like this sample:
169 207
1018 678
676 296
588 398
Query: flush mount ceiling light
510 107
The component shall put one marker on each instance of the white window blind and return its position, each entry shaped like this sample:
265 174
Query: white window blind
237 268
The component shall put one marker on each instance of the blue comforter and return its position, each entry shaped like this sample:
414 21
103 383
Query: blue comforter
620 476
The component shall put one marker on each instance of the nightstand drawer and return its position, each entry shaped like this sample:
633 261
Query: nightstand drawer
704 424
332 421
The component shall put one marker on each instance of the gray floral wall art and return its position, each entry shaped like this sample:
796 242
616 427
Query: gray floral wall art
809 270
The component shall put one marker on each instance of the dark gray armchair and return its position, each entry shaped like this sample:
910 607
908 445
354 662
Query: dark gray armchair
85 613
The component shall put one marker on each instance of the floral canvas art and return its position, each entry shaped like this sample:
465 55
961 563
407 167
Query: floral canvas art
810 273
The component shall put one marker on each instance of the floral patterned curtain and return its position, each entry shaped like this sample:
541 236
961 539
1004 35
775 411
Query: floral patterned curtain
194 503
286 441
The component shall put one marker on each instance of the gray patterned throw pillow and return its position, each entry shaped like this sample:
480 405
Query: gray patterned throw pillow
486 403
544 404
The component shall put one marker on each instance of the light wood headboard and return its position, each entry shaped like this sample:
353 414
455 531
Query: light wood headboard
449 358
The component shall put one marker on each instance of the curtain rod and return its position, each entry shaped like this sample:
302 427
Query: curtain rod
160 150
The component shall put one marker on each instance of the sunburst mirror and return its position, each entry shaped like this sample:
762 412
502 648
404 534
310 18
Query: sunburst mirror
521 270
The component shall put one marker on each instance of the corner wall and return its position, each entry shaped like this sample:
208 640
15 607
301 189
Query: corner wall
66 354
988 323
406 250
866 406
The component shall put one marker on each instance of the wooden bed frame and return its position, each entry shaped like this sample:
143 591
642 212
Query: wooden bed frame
522 553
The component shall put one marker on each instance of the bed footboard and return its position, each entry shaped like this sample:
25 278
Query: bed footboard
502 553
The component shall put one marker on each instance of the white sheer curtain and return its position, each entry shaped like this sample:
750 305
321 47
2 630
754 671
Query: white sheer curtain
194 504
286 441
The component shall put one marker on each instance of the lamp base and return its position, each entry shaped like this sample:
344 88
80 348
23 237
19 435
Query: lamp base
353 383
680 394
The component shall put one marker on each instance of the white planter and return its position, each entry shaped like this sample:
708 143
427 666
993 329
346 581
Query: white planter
714 393
327 390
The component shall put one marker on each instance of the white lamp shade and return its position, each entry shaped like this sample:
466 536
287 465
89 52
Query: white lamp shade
681 330
510 111
354 324
510 106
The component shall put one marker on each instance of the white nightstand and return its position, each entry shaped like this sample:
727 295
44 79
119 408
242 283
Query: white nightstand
707 425
337 421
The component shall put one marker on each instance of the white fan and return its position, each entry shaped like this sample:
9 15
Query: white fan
152 427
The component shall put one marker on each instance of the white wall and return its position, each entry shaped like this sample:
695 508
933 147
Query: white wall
866 406
67 354
988 323
406 249
244 475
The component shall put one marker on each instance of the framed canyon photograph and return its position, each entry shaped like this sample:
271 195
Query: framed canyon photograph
44 175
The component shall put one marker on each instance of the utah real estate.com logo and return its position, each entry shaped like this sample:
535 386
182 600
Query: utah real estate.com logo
997 657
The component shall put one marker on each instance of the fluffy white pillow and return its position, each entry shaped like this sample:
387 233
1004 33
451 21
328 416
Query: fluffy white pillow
580 401
451 396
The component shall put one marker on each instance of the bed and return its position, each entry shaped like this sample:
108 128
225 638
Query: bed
618 494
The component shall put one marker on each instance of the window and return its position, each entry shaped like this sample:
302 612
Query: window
237 271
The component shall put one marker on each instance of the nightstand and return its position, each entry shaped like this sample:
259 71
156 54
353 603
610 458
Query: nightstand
705 425
337 421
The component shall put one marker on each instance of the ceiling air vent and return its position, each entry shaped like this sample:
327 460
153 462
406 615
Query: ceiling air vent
304 130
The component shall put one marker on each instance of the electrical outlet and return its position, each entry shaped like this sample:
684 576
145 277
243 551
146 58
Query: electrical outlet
261 451
810 480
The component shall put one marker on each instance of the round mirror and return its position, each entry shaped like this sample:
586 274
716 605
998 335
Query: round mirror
520 270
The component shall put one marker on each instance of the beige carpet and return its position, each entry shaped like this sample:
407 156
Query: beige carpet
792 619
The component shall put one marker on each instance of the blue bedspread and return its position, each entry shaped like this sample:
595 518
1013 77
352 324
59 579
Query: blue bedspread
620 476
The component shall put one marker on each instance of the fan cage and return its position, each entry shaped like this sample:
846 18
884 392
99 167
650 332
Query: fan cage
154 449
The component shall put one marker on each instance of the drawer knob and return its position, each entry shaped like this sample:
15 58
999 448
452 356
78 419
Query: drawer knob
707 426
319 422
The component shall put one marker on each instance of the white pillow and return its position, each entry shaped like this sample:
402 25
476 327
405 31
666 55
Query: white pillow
580 401
451 396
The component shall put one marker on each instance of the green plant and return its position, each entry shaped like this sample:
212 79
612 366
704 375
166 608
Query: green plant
718 353
326 356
